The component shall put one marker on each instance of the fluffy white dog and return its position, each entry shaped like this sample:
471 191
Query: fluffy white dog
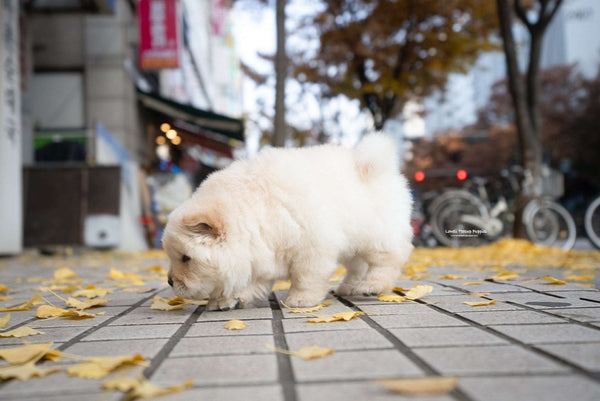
293 214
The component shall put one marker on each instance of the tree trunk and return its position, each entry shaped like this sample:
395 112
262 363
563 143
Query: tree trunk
279 131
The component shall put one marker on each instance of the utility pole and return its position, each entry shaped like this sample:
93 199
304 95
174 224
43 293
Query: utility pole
279 129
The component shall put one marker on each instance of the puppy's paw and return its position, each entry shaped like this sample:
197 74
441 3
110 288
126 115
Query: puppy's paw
304 299
369 289
223 304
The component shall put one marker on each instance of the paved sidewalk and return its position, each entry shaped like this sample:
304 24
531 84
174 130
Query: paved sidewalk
538 342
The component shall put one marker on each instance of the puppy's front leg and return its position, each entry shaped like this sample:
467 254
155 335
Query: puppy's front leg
222 304
310 283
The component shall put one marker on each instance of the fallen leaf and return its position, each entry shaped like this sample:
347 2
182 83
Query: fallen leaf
552 280
504 275
583 277
4 288
472 283
25 371
139 290
156 269
421 386
400 289
91 291
309 310
478 294
452 277
418 291
4 321
23 331
235 325
306 353
64 274
129 278
48 311
159 303
6 298
201 302
123 384
34 300
392 298
336 317
143 388
484 303
90 303
97 368
587 285
26 353
281 285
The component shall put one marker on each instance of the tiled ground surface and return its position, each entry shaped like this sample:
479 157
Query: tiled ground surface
539 342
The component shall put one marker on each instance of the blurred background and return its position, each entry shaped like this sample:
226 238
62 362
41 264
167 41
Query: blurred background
113 111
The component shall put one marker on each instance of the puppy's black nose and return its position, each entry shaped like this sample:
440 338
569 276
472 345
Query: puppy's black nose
170 281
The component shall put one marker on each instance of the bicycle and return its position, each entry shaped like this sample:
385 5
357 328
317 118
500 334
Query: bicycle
591 222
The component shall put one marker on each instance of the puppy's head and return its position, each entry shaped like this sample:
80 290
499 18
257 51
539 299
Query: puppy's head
193 240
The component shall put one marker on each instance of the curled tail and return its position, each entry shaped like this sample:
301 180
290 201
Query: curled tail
375 155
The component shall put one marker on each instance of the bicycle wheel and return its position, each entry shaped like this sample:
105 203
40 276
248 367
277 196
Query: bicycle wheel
446 218
592 222
548 223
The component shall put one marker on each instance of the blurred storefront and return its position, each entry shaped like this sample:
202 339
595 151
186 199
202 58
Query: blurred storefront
94 90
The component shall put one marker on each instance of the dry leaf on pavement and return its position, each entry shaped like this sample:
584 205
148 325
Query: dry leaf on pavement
418 291
160 303
25 371
64 274
472 283
4 321
392 298
452 277
23 331
309 310
235 325
92 291
25 353
47 311
143 388
90 303
6 298
97 368
421 386
306 353
583 277
504 276
4 288
484 303
336 317
34 300
552 280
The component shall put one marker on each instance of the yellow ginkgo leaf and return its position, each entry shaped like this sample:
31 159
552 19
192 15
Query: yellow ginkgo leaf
159 303
309 310
139 290
583 277
35 299
452 277
421 386
64 274
123 384
97 368
504 275
4 288
235 325
472 283
91 291
156 269
478 294
281 285
552 280
336 317
129 278
26 353
90 303
147 389
418 291
484 303
25 371
392 298
47 311
6 298
306 353
23 331
4 321
400 289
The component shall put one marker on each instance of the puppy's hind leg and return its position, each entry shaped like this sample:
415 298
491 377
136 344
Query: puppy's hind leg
384 269
356 269
310 281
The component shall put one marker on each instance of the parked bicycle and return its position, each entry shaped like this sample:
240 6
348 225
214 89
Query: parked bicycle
484 211
592 222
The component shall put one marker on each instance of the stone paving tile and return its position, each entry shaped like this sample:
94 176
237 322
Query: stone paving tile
579 314
215 329
300 325
487 286
243 393
339 341
148 348
417 320
347 391
335 307
549 333
133 332
589 295
487 360
446 336
543 301
145 315
62 334
546 286
585 355
104 396
511 317
240 314
200 346
355 364
217 370
404 308
534 388
17 318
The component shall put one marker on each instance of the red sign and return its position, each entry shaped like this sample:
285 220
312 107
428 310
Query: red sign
159 34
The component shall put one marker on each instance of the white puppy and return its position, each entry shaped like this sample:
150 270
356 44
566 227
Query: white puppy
293 214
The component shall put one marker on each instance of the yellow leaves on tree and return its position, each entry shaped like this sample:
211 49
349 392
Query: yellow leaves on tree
235 325
421 386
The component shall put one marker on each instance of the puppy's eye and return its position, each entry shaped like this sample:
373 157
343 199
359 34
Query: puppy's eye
185 258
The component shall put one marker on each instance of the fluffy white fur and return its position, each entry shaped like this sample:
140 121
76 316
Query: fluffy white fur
293 214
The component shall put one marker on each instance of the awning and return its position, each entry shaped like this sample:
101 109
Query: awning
208 123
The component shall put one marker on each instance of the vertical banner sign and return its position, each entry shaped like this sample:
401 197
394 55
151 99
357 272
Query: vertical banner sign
158 30
11 226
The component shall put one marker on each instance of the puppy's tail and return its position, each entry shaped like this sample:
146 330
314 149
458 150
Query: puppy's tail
375 155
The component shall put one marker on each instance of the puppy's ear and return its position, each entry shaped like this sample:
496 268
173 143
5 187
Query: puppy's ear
204 224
